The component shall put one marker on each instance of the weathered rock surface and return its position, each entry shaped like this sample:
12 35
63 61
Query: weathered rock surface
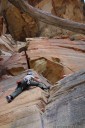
5 44
11 62
6 49
66 106
22 112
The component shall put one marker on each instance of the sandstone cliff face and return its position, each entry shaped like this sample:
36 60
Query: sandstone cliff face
68 9
66 107
6 50
52 58
63 105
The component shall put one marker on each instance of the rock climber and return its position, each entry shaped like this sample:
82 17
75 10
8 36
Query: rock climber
28 81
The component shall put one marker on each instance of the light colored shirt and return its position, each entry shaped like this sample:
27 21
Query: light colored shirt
28 78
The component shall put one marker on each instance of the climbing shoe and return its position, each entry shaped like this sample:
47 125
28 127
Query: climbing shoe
46 88
9 99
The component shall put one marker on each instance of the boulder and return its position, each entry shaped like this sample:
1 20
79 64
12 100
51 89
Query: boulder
20 25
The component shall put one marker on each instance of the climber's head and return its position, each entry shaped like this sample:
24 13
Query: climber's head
29 72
